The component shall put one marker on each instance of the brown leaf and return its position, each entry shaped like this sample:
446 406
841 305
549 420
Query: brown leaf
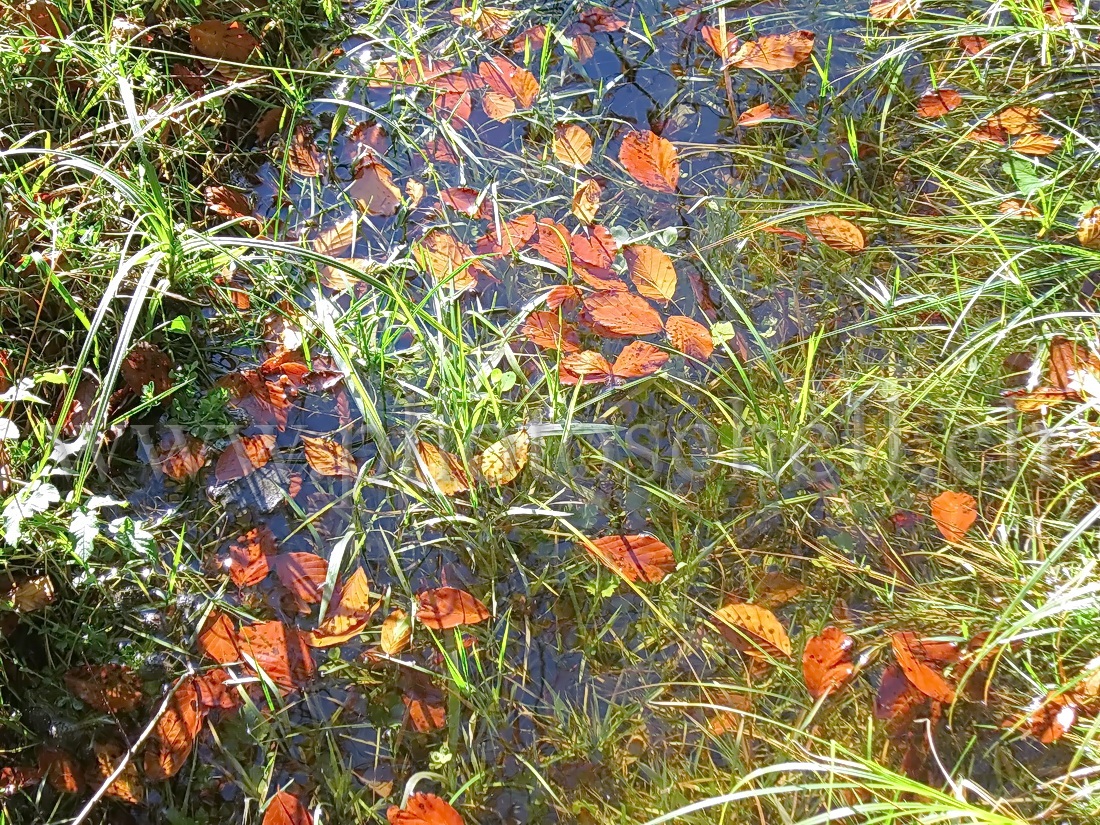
895 10
372 188
652 272
229 203
218 639
753 630
651 160
491 24
180 456
466 201
396 633
1035 144
938 103
287 809
1088 228
43 17
447 607
424 709
548 331
445 470
587 367
1059 11
722 41
774 52
572 145
972 43
954 513
279 651
689 337
348 614
531 38
243 456
265 402
586 201
213 692
1016 208
127 787
174 734
337 238
147 365
302 156
424 809
919 668
503 460
302 574
447 260
248 556
329 458
896 696
764 111
107 688
777 588
639 359
1070 364
61 770
827 661
1016 120
565 295
218 40
29 595
837 232
635 557
615 313
15 778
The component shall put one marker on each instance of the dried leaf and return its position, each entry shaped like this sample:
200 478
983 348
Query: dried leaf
336 239
217 40
61 770
636 557
174 734
753 630
827 661
587 367
896 696
774 52
777 588
302 156
265 402
548 331
509 82
972 43
127 787
424 709
1088 228
213 692
424 809
722 41
448 260
651 160
218 639
372 188
586 201
15 778
938 103
764 111
445 470
287 809
916 665
503 460
895 10
563 295
329 458
1035 144
107 688
618 313
229 203
689 337
639 359
43 17
243 456
348 614
396 633
652 272
1059 11
491 24
572 145
29 595
1016 208
954 513
279 651
248 556
303 574
837 232
514 235
447 607
144 365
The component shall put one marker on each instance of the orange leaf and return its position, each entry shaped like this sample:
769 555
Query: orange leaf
286 809
180 455
466 201
335 239
447 260
218 40
445 470
635 558
302 156
896 696
827 661
774 52
765 111
690 337
265 402
651 160
396 633
652 272
586 201
514 235
639 359
303 574
424 709
447 607
1088 228
61 770
127 786
1054 716
972 43
279 651
547 331
248 556
723 43
894 10
587 367
917 669
348 614
753 630
1070 364
509 81
1035 144
572 145
424 809
42 16
212 691
563 294
218 639
492 24
938 103
329 458
107 688
954 513
372 188
838 233
243 456
1016 120
615 313
174 734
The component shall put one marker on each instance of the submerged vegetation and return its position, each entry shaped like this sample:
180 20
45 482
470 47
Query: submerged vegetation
646 413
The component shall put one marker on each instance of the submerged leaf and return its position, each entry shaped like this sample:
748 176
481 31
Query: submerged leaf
837 232
617 313
503 460
652 272
329 458
447 607
635 558
572 145
445 471
827 661
774 52
424 809
753 630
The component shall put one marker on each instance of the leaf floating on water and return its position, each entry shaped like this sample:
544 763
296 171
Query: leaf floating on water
652 272
837 232
689 337
917 664
127 785
954 514
1035 144
248 556
547 330
723 43
514 235
447 475
372 188
586 201
265 402
938 103
492 24
302 574
615 313
637 557
218 40
563 295
448 260
587 367
894 10
174 734
572 145
447 607
503 460
972 44
424 809
279 651
349 612
512 87
1016 120
466 201
301 153
396 633
287 809
329 458
753 630
107 688
639 359
763 112
243 456
827 661
774 52
424 710
651 160
218 639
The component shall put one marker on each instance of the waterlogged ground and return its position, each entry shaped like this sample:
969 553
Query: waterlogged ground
592 605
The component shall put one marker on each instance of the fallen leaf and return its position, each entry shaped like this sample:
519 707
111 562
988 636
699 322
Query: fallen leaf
1052 718
491 24
637 557
547 330
651 160
61 770
348 614
43 17
29 595
618 313
107 688
217 40
1035 144
509 81
972 43
248 557
146 364
1016 208
302 156
572 145
587 367
287 809
213 692
15 778
502 461
447 607
424 709
424 809
723 43
337 238
466 201
652 272
896 696
218 639
1070 366
938 103
919 669
586 201
532 38
372 188
600 19
565 295
229 203
753 630
777 588
513 236
1059 11
639 359
329 458
265 402
302 574
689 337
764 111
895 10
837 232
244 455
447 260
827 661
174 734
396 633
1016 120
127 786
954 513
445 471
415 191
277 650
585 47
774 52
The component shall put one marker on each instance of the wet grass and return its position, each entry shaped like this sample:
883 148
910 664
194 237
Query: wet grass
848 389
